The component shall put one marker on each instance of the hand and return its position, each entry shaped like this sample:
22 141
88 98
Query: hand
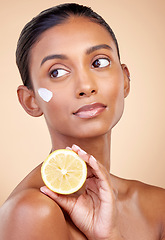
94 212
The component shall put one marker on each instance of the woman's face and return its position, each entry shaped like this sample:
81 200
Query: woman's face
78 63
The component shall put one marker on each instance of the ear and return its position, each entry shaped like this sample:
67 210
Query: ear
126 80
27 100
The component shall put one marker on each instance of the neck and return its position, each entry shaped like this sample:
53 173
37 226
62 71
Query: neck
98 146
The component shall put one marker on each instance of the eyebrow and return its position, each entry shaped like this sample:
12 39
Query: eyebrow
97 47
53 56
64 57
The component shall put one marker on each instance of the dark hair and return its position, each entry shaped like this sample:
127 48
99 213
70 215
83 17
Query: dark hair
45 20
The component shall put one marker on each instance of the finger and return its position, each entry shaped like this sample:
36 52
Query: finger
67 203
76 148
97 169
83 156
68 148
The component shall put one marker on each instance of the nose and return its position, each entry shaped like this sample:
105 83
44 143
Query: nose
86 85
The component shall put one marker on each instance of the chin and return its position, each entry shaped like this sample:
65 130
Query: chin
92 132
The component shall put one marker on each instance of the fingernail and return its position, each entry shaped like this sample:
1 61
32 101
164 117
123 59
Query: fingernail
92 157
42 190
69 148
82 151
79 149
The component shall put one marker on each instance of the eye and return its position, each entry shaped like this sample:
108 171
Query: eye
56 73
101 63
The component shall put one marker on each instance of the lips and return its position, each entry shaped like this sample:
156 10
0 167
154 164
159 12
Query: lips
90 110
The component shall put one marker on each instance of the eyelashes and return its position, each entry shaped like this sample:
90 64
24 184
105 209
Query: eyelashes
101 62
56 73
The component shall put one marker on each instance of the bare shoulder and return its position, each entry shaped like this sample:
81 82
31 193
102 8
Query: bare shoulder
151 197
151 200
31 215
144 203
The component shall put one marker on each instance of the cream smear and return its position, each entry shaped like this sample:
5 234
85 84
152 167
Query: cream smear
45 94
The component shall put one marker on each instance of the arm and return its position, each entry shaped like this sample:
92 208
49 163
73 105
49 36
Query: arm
162 215
32 216
94 212
152 202
163 229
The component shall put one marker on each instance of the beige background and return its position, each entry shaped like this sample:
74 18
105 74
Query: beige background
138 147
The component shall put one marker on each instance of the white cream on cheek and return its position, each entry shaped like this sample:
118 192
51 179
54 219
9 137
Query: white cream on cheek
45 94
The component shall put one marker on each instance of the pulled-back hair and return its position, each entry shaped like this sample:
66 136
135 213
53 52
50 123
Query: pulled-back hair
45 20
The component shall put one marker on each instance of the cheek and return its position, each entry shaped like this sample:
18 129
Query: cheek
45 94
118 101
53 105
117 94
49 102
114 94
113 89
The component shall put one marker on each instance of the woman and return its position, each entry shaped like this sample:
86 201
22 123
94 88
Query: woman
69 61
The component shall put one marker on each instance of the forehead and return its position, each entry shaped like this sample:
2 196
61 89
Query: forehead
76 32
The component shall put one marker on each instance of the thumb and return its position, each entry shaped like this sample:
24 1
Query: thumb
67 203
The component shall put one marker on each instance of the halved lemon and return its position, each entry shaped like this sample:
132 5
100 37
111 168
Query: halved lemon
64 172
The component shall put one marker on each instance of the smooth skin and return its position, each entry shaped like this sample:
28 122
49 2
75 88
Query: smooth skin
81 67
